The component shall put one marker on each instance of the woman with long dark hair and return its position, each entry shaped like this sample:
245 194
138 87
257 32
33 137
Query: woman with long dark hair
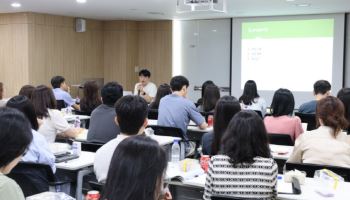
91 98
162 91
137 170
326 145
225 109
250 99
204 86
245 166
344 96
211 96
38 151
282 121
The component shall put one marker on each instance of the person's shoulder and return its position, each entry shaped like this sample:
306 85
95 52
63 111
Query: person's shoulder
265 161
109 146
220 158
10 186
152 85
54 113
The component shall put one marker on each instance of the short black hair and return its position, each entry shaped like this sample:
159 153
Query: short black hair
56 81
145 73
23 104
322 87
177 82
282 103
131 113
15 135
245 138
111 92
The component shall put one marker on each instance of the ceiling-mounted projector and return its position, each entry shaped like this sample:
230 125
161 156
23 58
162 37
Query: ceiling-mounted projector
184 6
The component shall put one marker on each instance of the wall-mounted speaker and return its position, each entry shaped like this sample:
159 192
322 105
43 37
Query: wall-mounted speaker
80 25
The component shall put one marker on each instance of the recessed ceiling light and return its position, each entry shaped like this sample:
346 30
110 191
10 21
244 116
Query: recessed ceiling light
16 5
290 0
81 1
303 5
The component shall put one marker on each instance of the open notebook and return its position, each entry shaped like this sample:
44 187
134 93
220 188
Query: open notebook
175 173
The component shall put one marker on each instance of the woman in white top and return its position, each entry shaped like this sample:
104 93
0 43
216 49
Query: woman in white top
250 99
53 122
326 145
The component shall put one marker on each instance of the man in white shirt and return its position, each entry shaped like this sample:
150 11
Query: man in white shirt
132 119
144 87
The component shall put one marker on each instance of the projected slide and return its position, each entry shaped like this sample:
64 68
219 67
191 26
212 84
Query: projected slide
292 54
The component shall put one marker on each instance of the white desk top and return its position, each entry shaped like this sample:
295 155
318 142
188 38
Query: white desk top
73 117
281 151
86 159
308 189
197 129
153 122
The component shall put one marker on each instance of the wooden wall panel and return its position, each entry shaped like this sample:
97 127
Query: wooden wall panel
13 52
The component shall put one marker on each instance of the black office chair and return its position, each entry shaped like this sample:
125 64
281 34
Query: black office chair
90 146
60 104
259 113
310 169
308 118
34 178
280 139
167 131
153 114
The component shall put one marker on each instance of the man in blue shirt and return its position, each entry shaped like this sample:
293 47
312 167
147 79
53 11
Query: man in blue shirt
175 110
322 89
60 90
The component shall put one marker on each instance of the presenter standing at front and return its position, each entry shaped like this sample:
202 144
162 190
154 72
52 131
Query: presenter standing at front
144 87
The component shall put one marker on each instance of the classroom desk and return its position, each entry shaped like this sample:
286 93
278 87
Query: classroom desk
195 188
70 118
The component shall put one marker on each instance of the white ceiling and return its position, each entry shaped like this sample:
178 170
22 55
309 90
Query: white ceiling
166 9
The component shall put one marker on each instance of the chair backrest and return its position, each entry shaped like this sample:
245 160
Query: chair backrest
153 114
33 178
259 113
90 146
308 118
311 168
60 104
280 139
167 131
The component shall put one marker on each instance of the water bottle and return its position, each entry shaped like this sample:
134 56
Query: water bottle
77 122
175 151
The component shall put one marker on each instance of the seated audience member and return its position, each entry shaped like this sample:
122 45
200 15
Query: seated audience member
53 122
344 96
245 167
175 110
225 109
61 91
326 145
2 102
145 88
102 122
132 120
91 98
211 96
322 89
162 91
38 151
250 99
282 121
204 85
27 91
15 137
137 171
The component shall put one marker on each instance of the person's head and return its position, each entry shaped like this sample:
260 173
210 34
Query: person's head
27 90
1 90
15 137
43 99
144 76
91 96
282 103
225 109
131 114
163 90
322 88
111 92
250 92
205 84
211 96
59 82
179 84
136 171
330 112
344 96
23 104
245 138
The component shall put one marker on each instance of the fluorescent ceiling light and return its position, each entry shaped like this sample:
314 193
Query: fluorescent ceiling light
16 5
303 5
81 1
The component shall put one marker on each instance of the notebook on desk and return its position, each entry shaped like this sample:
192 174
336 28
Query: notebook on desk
65 157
